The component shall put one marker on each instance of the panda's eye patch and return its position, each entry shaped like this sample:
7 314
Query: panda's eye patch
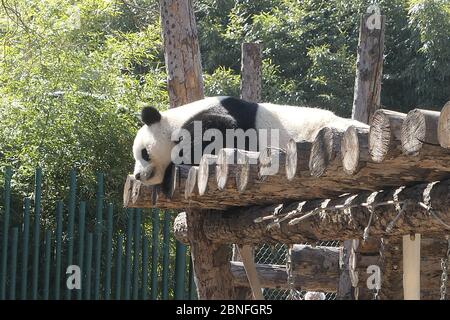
145 155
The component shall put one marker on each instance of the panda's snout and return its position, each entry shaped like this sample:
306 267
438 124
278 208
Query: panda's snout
144 176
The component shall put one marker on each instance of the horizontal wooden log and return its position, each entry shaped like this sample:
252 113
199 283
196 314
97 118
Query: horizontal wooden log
327 219
191 186
297 159
313 269
325 152
385 135
420 134
248 172
206 174
338 163
402 170
355 149
444 126
138 195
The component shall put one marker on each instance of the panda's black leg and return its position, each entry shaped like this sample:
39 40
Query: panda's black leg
166 185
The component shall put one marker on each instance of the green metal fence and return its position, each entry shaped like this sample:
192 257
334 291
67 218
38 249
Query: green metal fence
143 262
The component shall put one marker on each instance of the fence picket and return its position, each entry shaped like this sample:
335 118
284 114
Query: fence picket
144 288
12 285
109 230
70 224
131 272
118 282
88 267
166 255
25 244
59 221
47 259
98 235
137 249
36 232
81 240
128 247
6 217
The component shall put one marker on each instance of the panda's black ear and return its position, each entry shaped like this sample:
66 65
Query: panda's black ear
150 115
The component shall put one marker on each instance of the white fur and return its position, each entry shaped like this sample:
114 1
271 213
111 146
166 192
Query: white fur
299 123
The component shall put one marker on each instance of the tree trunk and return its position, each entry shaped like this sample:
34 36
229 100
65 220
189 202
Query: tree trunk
213 277
181 52
251 72
369 66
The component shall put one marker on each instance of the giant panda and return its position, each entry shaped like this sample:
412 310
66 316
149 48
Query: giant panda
153 144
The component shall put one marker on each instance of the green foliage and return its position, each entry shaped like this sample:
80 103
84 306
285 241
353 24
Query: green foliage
223 82
72 79
312 44
74 74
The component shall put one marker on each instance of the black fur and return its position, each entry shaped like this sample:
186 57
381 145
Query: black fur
229 113
150 115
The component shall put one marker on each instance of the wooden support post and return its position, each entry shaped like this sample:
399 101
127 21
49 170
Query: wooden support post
213 277
367 93
369 67
246 253
251 72
181 52
250 91
185 84
411 267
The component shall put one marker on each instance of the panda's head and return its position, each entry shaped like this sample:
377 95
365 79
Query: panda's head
152 147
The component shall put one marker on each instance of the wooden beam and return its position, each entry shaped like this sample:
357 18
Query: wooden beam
355 149
324 221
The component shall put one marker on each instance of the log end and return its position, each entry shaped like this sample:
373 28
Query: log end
271 161
419 128
291 159
322 152
444 126
225 158
243 176
127 191
413 132
206 168
191 182
350 150
380 136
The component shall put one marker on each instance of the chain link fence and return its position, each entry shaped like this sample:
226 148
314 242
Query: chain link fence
277 254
